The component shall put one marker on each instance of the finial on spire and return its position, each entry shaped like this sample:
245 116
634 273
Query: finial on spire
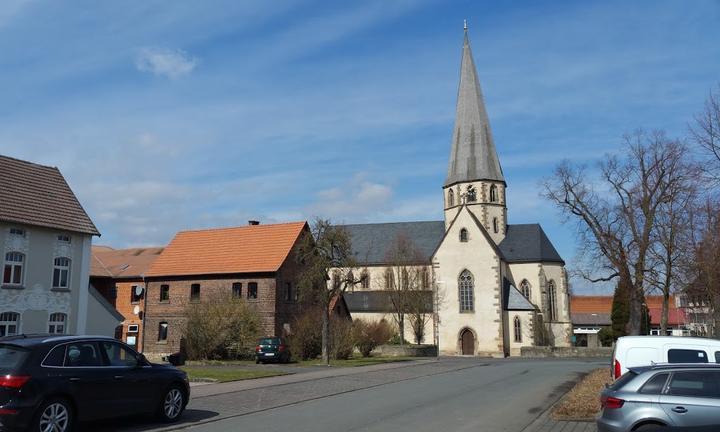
465 24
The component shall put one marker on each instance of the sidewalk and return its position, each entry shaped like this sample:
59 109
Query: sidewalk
205 390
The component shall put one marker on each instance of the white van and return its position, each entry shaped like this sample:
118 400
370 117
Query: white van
633 351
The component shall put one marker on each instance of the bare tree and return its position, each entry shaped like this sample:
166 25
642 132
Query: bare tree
704 265
328 250
705 131
616 222
407 281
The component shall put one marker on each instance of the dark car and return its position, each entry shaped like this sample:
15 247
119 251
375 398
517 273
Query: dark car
50 382
271 349
676 396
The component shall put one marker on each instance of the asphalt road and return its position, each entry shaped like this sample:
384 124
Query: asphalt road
453 394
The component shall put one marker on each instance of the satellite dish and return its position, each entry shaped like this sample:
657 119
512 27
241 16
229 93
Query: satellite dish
139 290
136 310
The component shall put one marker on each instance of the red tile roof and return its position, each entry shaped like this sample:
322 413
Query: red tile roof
603 305
245 249
122 263
38 195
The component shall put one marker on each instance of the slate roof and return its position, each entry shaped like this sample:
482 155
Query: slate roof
528 243
377 301
122 263
38 195
473 155
595 319
513 299
371 242
244 249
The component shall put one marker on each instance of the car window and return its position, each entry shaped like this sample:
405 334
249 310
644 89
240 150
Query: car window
717 356
695 383
687 356
55 357
624 379
82 354
119 355
655 384
11 357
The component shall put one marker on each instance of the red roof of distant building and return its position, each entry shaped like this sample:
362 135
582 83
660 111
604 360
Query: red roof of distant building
603 305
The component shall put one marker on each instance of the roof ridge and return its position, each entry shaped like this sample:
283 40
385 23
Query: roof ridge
240 227
391 223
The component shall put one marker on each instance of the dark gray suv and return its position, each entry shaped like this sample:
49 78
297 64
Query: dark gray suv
645 398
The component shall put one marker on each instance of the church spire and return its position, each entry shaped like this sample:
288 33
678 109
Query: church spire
473 155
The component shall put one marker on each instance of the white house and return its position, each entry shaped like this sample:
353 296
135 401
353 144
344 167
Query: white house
45 236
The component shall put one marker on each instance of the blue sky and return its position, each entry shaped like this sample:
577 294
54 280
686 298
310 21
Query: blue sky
172 115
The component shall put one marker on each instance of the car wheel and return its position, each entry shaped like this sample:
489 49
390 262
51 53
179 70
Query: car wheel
54 415
172 404
649 427
257 361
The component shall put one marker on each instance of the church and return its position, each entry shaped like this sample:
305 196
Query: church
495 287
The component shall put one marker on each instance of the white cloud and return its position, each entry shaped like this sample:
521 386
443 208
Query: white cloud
165 62
357 199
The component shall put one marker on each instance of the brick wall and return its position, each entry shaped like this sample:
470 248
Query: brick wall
117 292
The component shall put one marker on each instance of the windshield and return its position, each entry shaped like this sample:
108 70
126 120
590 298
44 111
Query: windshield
269 341
11 357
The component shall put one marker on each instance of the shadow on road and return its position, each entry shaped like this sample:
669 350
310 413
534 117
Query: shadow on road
139 424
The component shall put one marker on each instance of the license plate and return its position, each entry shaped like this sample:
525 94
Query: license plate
269 354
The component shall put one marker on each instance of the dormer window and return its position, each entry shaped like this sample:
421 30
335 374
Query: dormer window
463 235
493 193
471 194
17 231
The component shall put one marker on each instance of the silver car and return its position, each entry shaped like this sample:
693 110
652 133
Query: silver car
645 398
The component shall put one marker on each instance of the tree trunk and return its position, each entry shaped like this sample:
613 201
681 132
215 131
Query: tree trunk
665 311
634 324
401 326
326 336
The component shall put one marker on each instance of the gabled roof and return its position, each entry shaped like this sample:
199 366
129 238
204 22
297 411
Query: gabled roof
513 300
528 243
38 195
244 249
473 155
371 242
122 263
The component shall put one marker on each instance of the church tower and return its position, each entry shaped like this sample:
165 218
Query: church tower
475 178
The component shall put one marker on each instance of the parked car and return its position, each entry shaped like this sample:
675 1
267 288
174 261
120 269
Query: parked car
50 382
676 395
271 349
631 351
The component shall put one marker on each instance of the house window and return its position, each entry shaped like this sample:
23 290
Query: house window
389 279
9 323
552 301
56 323
163 332
463 235
451 198
288 291
133 328
195 292
365 279
525 288
136 294
493 193
252 290
237 290
61 273
63 238
17 231
13 274
517 329
467 287
471 194
495 225
164 293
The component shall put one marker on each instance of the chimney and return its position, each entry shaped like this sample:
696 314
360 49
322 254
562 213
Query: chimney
253 222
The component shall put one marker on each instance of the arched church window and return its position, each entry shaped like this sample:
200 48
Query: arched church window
495 225
493 193
463 235
365 279
466 291
552 300
451 198
525 288
471 194
517 329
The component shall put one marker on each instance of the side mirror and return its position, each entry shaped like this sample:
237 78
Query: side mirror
141 361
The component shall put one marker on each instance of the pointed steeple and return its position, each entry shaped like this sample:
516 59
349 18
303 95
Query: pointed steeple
473 155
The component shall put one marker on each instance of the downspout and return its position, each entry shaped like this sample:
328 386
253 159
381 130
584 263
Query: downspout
144 313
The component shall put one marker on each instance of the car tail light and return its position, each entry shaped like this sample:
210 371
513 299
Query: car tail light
281 348
15 382
618 369
257 348
6 411
609 402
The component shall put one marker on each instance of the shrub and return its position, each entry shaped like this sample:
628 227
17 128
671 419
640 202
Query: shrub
368 335
341 339
219 328
305 340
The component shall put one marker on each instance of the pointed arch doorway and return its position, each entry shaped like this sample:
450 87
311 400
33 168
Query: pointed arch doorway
467 342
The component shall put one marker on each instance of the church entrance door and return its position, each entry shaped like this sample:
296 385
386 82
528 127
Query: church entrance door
468 342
